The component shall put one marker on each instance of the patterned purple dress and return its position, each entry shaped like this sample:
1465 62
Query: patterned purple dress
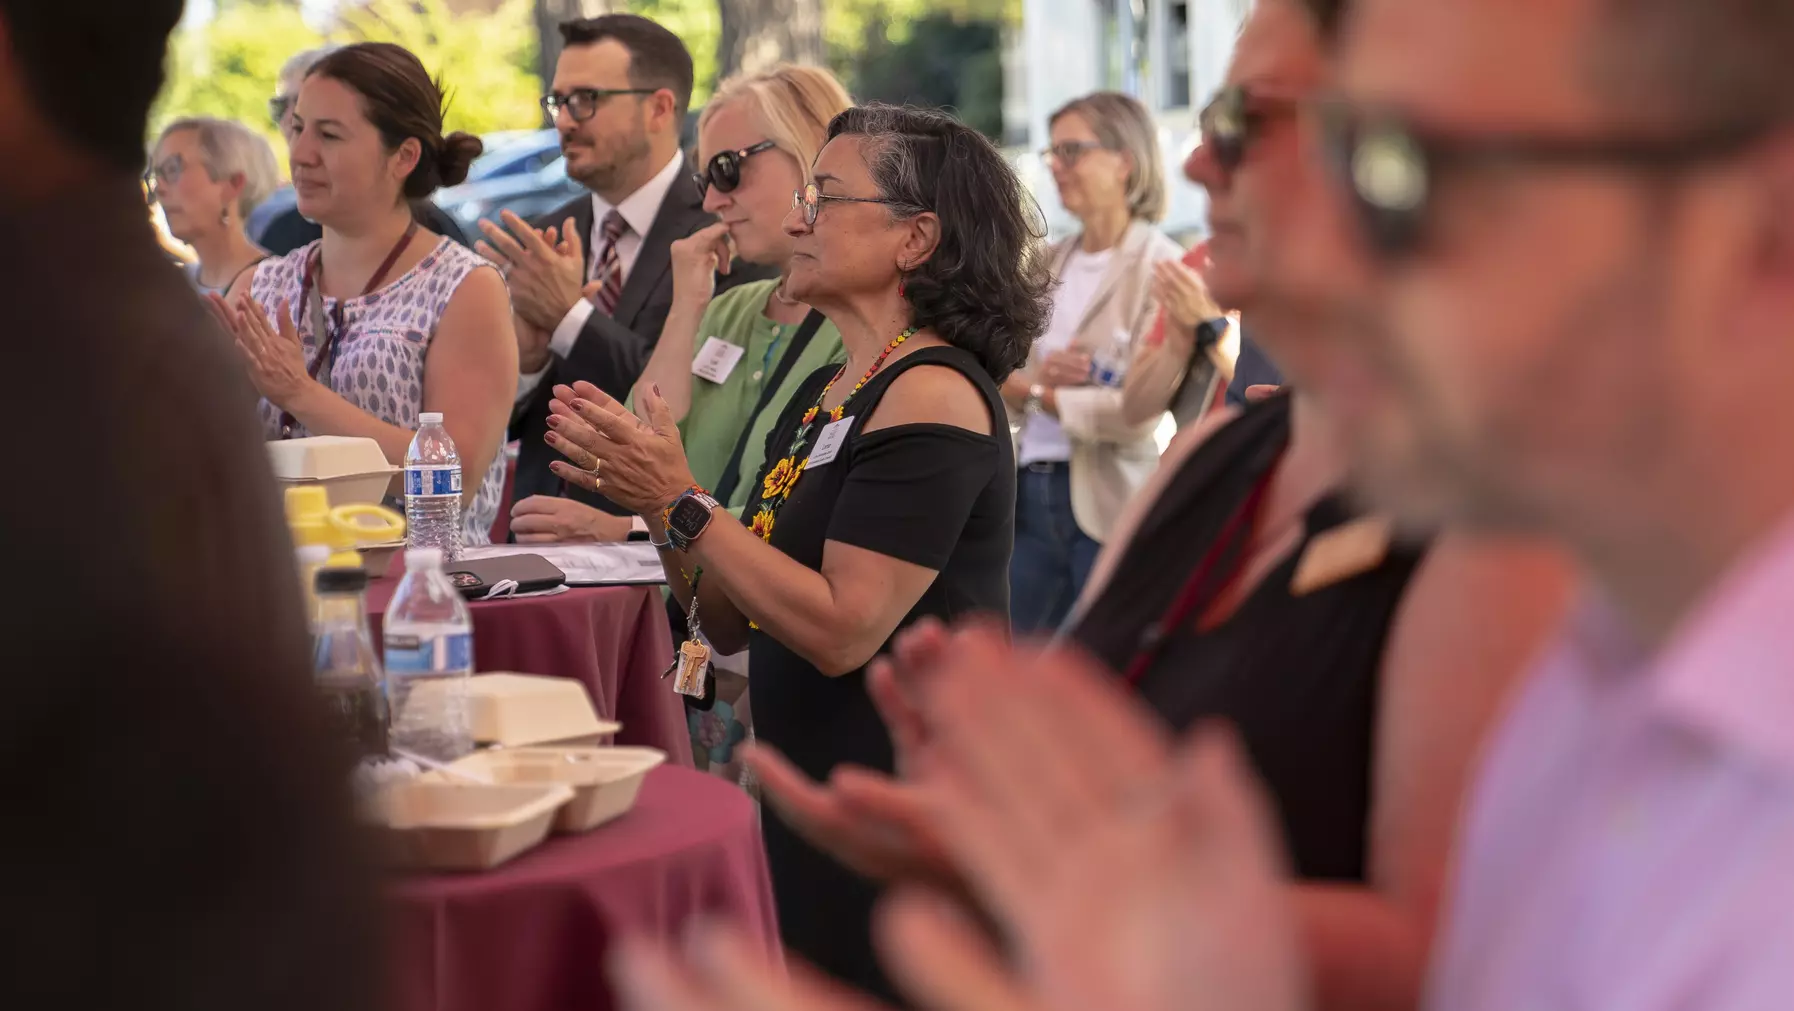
379 364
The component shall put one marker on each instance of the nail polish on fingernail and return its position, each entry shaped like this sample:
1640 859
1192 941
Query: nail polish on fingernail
580 405
553 420
657 389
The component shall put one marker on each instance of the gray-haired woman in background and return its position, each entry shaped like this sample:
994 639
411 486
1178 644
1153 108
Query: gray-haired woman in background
208 174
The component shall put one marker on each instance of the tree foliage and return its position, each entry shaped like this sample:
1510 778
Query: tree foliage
229 67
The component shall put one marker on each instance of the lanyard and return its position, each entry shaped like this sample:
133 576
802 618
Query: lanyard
1200 591
330 326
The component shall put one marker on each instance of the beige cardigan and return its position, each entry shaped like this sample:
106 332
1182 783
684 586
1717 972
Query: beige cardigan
1110 458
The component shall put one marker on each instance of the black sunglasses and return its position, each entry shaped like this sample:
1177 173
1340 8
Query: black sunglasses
724 170
1391 169
582 103
1235 119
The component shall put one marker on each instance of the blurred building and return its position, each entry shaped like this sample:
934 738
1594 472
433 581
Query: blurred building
1171 54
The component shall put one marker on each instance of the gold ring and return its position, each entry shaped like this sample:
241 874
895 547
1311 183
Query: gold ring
597 464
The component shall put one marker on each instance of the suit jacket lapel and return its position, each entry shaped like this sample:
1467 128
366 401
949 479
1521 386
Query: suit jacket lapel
681 213
582 220
1123 262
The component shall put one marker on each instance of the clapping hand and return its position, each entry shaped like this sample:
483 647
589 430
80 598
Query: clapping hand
637 464
274 354
1183 294
546 273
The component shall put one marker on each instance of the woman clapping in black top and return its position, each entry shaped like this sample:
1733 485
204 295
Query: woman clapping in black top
889 490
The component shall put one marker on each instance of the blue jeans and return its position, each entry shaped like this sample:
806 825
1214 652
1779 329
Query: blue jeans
1052 556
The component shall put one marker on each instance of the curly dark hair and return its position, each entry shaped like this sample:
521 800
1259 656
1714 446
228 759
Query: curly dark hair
988 286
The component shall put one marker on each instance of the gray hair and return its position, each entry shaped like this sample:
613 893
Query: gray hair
1122 124
231 149
299 65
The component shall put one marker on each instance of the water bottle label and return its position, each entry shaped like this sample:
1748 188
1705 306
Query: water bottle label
432 482
443 654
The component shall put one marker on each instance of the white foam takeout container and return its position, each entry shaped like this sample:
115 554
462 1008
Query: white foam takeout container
448 825
352 470
514 710
605 781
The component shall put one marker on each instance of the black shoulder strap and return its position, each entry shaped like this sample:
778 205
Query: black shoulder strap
725 485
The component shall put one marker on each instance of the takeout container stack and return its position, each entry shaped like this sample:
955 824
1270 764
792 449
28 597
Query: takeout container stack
543 772
334 486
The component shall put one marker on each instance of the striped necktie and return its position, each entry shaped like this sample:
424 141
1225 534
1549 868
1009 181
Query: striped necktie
607 266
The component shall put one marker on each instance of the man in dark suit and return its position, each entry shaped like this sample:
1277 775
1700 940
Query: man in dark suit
590 306
180 829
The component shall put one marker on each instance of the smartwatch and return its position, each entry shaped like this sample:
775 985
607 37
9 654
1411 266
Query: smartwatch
1209 333
688 517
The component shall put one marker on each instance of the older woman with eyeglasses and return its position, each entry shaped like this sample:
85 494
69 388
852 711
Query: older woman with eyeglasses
208 174
1080 458
888 493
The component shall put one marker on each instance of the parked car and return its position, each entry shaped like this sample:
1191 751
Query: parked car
523 173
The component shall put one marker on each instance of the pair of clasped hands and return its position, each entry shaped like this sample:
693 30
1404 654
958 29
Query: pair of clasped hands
1049 850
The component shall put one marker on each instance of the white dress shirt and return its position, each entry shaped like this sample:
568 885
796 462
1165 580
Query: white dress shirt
638 209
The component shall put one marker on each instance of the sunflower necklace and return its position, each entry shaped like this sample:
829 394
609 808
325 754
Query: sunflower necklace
784 475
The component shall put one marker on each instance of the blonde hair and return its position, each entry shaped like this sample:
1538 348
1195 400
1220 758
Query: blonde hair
229 149
794 104
1122 124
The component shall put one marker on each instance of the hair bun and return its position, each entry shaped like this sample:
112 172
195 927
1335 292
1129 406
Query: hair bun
458 152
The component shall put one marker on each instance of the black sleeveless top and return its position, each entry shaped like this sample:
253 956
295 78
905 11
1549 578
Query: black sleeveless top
1298 676
935 495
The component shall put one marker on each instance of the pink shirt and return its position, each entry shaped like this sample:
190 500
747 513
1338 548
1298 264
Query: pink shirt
1630 846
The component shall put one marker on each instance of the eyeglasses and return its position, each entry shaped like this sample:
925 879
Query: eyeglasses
811 200
724 170
582 103
166 174
1067 152
1234 120
278 107
1391 169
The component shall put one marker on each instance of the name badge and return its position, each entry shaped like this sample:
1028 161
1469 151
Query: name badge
716 359
829 443
1341 553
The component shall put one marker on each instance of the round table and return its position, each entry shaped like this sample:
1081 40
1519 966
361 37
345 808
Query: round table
531 935
612 639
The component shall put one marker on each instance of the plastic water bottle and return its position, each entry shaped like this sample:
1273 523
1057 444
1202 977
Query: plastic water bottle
429 657
433 488
344 664
1108 367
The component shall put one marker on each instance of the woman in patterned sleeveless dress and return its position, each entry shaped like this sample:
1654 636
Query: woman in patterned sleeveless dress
360 332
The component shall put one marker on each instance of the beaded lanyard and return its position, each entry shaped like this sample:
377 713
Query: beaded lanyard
782 479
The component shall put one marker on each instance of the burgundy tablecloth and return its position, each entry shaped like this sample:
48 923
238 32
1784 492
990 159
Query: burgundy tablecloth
532 935
612 639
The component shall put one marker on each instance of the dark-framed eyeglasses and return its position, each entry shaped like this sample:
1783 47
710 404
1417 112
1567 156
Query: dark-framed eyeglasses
278 107
168 173
724 170
1068 152
811 199
1390 169
582 103
1235 119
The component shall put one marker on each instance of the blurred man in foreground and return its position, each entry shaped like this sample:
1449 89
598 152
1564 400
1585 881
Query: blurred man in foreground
179 835
1590 272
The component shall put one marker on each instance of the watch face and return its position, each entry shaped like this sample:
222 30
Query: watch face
689 517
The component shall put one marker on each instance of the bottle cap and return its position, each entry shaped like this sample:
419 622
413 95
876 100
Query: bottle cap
341 580
422 559
430 418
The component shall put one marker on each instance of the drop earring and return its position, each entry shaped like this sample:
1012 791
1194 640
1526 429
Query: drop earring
224 216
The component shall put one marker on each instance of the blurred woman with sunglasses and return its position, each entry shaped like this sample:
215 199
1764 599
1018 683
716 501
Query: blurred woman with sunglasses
208 174
888 492
756 138
1080 459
